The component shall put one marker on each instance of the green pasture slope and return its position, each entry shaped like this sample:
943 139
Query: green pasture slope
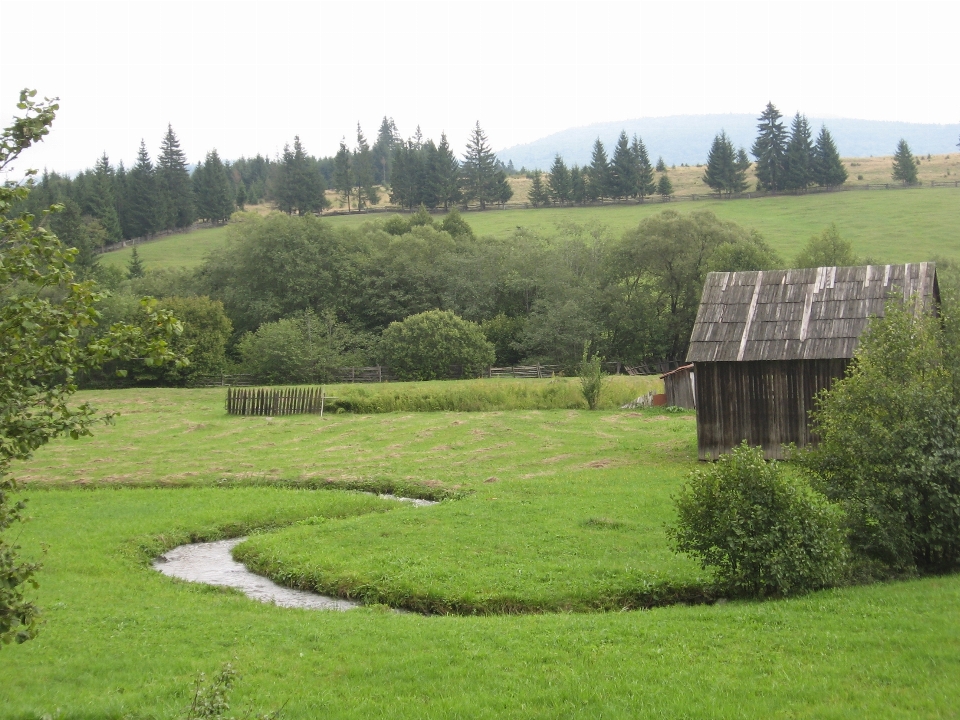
883 225
549 512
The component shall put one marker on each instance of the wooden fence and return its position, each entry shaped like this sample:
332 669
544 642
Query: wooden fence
222 380
523 371
273 402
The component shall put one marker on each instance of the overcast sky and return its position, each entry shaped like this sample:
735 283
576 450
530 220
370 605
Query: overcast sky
247 77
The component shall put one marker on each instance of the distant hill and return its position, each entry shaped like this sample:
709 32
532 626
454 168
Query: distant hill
687 138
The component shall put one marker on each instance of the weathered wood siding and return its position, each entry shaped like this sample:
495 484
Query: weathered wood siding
767 403
679 388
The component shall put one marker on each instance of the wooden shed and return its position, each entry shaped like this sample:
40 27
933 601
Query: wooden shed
680 387
766 342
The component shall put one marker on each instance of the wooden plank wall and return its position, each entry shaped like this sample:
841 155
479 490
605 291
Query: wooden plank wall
679 387
274 401
767 403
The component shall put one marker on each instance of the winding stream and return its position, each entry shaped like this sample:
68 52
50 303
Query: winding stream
212 563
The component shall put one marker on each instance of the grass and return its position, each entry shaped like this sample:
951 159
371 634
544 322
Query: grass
574 512
884 225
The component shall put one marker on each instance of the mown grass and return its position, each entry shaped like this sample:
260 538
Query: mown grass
884 225
123 641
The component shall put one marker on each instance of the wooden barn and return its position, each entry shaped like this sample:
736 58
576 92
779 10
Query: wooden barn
766 342
680 387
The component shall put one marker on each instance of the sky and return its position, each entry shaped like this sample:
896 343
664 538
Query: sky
244 78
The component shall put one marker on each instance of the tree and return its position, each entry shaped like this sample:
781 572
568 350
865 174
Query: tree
827 249
363 176
578 185
298 185
664 187
447 172
502 189
44 318
173 179
770 150
141 196
799 158
424 346
598 174
538 194
558 183
592 377
645 184
342 181
828 170
623 169
661 165
382 153
135 267
104 200
904 164
721 164
479 170
212 189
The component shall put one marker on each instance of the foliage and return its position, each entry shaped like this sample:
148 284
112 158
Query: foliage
539 195
904 164
558 182
135 269
43 316
764 532
505 334
478 169
828 169
726 170
212 700
297 183
173 179
770 150
592 377
424 346
664 187
799 157
212 190
827 249
889 447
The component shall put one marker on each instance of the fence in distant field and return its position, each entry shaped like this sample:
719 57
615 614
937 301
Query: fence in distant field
225 380
274 402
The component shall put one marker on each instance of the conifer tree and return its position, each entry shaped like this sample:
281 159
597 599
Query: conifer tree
741 166
448 173
770 150
598 173
241 196
308 191
430 184
799 159
342 179
904 164
382 152
721 164
559 182
140 206
664 187
173 180
828 170
645 184
479 170
213 191
103 199
623 169
578 185
501 187
135 268
363 175
538 195
120 188
661 166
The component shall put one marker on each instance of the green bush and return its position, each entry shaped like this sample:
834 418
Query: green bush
592 377
424 346
889 448
764 532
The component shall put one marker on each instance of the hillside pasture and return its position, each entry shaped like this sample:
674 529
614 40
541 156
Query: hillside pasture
911 225
547 509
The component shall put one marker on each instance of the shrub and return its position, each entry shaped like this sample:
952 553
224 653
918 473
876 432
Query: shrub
424 346
764 532
592 377
889 448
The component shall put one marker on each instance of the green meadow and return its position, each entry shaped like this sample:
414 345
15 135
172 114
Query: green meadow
541 585
883 225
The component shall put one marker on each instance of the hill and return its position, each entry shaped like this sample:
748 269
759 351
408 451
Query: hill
686 138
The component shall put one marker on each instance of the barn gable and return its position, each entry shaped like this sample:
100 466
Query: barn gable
809 314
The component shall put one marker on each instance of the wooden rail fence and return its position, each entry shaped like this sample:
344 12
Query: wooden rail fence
273 402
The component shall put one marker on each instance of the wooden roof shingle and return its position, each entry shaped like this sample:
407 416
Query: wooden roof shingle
809 314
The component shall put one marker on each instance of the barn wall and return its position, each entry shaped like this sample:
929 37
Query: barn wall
679 387
766 403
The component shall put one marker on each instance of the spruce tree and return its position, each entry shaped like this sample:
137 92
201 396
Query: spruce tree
173 180
661 167
103 199
799 159
140 207
721 165
623 169
598 174
578 185
448 173
213 190
645 184
664 187
770 150
502 189
904 164
241 196
363 175
382 152
559 182
828 170
135 268
538 194
741 166
342 179
479 170
307 186
281 181
430 155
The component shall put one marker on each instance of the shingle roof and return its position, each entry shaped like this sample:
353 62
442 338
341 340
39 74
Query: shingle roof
815 313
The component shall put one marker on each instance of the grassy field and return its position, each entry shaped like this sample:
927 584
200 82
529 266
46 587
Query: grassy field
883 225
555 509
